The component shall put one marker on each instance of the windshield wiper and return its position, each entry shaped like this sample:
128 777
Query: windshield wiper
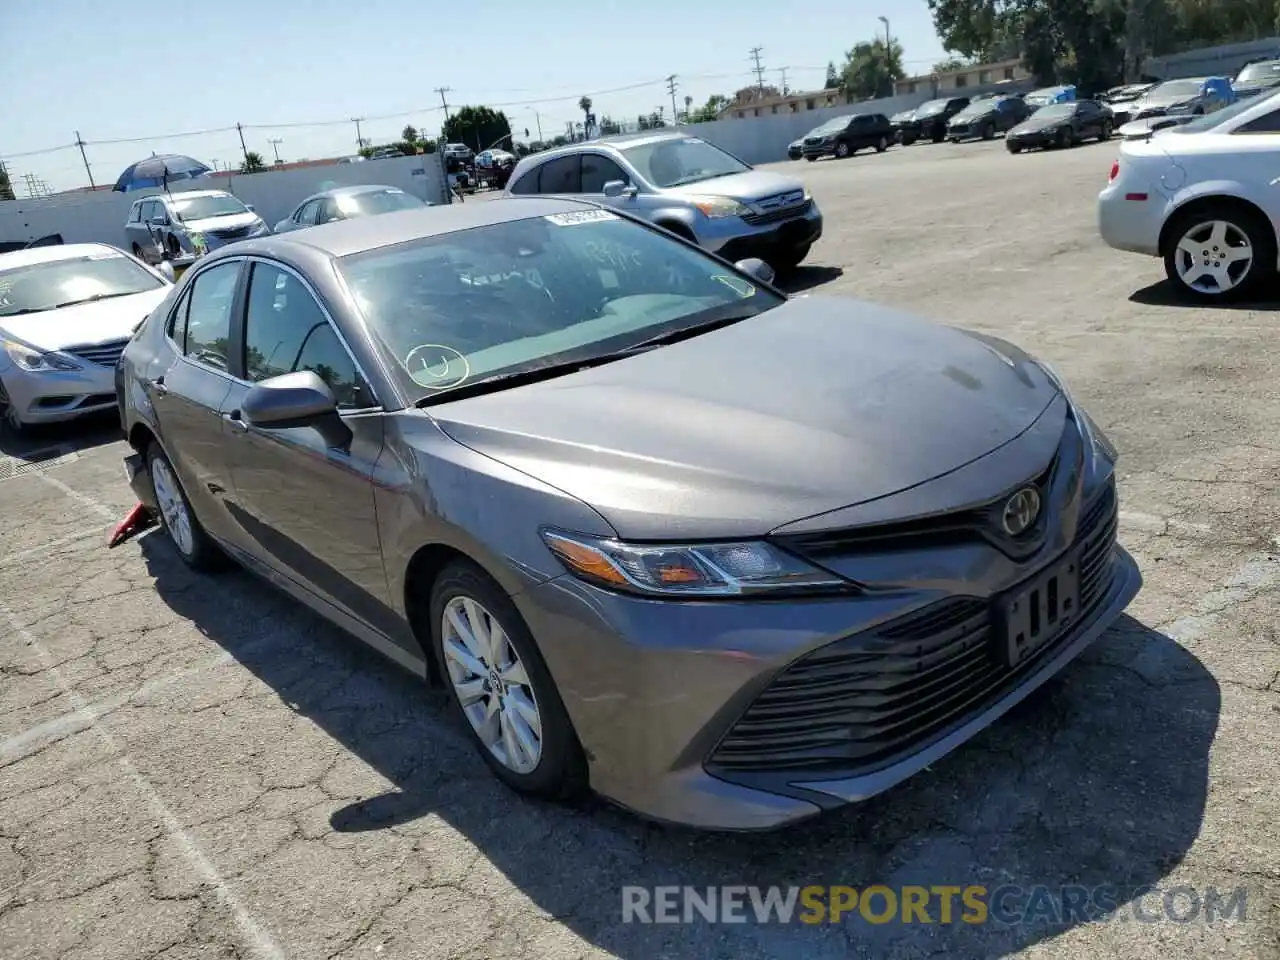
93 299
685 333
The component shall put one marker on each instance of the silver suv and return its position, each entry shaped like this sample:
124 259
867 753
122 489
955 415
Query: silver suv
167 226
687 185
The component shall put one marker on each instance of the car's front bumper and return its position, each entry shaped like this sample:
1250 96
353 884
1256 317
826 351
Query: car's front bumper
734 239
1029 141
52 396
654 689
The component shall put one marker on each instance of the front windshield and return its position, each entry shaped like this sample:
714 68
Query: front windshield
1055 110
678 160
932 107
834 126
979 109
516 296
373 202
63 283
1268 71
198 208
1175 89
1210 120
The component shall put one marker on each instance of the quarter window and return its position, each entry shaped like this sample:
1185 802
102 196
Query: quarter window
208 317
286 331
1267 123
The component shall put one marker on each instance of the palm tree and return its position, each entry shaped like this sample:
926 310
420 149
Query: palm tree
584 104
252 163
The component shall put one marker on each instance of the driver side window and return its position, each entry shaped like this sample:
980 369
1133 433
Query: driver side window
287 331
208 315
307 214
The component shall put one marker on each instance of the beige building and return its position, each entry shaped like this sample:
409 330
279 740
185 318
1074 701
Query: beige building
783 103
957 81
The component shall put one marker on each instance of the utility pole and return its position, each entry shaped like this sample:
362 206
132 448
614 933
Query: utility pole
759 69
538 117
443 102
785 88
275 145
80 144
671 89
243 148
359 138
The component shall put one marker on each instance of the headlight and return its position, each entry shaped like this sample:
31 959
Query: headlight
35 361
718 208
690 570
1093 434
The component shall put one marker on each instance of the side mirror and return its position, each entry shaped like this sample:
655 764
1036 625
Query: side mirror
299 399
755 267
250 207
165 268
619 188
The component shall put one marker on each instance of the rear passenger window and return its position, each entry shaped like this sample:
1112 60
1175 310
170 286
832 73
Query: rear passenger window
561 175
208 338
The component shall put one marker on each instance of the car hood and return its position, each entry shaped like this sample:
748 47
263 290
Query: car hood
813 406
228 222
961 118
1149 125
1036 124
751 185
88 323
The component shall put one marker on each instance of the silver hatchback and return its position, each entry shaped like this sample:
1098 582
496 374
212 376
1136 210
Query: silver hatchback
687 185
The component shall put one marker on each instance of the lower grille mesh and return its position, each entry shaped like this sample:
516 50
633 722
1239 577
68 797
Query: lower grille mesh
859 703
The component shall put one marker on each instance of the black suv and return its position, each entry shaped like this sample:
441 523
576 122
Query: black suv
930 120
845 136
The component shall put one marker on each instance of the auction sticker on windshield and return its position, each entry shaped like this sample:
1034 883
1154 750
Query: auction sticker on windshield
581 216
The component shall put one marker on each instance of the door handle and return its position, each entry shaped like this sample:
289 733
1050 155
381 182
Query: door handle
235 422
158 387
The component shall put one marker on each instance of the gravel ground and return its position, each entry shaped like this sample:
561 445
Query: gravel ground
198 768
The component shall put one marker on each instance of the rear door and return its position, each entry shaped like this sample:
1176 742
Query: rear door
188 397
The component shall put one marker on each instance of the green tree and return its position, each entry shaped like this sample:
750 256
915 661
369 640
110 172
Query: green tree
949 64
609 126
584 104
478 127
711 109
870 69
6 188
410 133
833 77
253 163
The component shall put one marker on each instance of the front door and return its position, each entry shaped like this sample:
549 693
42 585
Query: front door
188 397
306 506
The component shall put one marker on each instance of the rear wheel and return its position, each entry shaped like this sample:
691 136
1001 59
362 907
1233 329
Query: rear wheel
882 145
1219 252
939 135
1105 134
502 687
177 518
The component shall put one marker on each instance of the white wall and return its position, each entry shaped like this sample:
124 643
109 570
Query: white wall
100 215
1223 61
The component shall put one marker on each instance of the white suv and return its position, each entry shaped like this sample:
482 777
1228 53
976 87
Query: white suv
172 226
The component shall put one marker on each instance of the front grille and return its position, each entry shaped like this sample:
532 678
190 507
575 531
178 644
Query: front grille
812 141
231 233
774 216
103 354
865 701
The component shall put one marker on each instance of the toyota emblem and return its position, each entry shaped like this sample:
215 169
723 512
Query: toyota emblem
1020 511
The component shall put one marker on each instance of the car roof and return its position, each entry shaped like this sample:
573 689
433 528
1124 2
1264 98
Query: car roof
51 254
187 195
346 237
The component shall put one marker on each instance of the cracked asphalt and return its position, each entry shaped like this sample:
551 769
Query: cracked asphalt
196 767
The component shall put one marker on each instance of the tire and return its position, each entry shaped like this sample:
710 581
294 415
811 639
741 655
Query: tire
559 771
989 132
1066 138
1105 133
811 159
1241 223
882 145
844 150
9 416
196 549
939 136
908 141
1014 147
137 252
786 261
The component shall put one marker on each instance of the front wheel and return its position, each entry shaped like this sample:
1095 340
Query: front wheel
1219 253
882 145
1066 137
843 150
501 686
1014 147
989 132
9 415
1105 134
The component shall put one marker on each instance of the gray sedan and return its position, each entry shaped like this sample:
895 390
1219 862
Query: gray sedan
728 558
344 203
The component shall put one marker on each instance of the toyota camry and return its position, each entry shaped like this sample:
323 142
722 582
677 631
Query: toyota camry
726 557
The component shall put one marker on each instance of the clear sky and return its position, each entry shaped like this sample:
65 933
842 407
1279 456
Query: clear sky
114 72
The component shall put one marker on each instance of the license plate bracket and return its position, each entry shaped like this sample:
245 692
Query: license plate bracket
1038 611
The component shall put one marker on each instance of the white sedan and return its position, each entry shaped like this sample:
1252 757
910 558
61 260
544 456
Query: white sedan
66 314
1204 196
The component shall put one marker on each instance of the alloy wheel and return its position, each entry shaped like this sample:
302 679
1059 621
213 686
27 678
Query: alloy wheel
1214 257
8 412
491 684
842 150
177 519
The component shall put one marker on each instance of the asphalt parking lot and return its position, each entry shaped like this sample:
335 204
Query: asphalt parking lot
195 767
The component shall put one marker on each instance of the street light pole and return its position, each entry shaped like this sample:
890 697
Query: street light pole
275 145
887 39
